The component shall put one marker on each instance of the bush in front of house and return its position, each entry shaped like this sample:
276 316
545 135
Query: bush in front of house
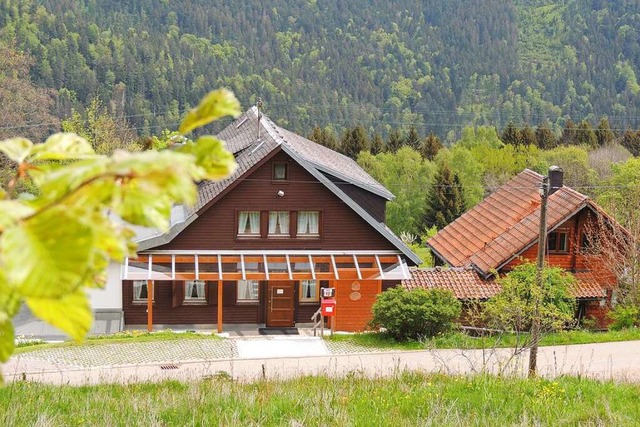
416 314
624 317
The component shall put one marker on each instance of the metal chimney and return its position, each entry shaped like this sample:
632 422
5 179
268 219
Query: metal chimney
555 179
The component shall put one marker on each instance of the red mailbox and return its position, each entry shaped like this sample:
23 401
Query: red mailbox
328 307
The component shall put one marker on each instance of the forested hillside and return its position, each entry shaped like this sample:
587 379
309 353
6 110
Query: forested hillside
438 65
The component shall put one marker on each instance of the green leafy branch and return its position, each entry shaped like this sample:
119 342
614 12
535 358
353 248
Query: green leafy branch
58 242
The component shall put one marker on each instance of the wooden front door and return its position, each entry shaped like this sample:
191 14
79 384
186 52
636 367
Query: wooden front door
280 298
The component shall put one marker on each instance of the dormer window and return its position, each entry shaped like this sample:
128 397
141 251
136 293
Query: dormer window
280 172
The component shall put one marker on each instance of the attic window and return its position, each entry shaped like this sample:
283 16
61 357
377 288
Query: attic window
558 242
280 172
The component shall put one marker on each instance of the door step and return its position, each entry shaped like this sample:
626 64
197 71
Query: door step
278 331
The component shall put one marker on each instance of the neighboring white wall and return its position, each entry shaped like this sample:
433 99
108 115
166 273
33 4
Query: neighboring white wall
111 296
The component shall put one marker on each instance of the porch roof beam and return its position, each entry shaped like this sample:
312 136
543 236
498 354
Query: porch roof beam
379 267
289 267
266 266
335 269
312 268
355 262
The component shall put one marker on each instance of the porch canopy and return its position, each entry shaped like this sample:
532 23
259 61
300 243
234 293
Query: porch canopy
266 265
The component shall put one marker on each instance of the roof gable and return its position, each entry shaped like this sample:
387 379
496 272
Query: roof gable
253 141
504 224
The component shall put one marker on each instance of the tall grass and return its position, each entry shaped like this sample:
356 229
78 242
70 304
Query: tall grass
407 399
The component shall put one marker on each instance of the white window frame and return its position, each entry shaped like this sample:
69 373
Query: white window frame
306 226
248 291
189 286
304 284
248 223
140 284
279 223
280 167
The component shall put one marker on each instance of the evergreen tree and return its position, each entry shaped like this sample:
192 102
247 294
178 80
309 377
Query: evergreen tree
445 202
510 134
545 139
568 133
631 141
585 135
527 136
413 138
395 141
604 133
354 141
316 135
430 147
324 137
377 144
329 139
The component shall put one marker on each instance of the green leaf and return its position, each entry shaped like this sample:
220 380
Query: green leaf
7 337
56 180
63 146
9 299
215 104
11 211
48 255
161 179
211 156
71 313
17 149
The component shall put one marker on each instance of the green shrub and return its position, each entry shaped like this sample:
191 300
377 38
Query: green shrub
415 314
624 317
513 308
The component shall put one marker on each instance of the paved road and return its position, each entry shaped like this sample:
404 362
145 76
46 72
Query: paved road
250 359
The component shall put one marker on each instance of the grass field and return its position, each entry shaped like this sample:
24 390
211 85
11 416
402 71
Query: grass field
462 340
120 337
406 400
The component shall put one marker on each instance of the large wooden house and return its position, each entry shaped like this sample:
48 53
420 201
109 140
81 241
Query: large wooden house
502 232
258 246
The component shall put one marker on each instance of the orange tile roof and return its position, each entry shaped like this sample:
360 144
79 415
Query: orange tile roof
503 224
466 284
589 286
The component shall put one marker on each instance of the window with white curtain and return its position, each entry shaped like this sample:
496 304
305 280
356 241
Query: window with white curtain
279 223
308 291
308 223
248 223
194 291
140 291
248 290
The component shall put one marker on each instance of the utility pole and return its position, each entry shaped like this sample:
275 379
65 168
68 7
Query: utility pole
542 238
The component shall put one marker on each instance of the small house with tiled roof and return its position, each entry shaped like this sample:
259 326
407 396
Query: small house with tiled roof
502 231
258 247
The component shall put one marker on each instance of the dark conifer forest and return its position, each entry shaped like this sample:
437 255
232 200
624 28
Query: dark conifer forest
436 65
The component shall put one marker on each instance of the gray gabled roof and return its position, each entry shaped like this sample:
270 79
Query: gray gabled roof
241 138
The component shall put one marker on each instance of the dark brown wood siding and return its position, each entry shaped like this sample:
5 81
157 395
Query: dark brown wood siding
164 311
375 205
341 227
